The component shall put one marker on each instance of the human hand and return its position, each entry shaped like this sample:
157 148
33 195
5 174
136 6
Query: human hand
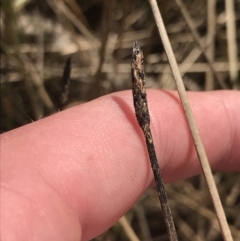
72 175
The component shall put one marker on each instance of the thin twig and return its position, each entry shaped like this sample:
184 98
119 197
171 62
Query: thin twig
192 123
143 118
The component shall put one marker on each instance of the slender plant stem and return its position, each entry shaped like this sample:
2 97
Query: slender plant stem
232 43
192 124
143 118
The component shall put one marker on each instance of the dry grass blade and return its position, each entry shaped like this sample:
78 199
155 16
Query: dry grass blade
200 210
192 124
143 223
232 43
128 229
36 79
211 21
63 9
196 36
76 9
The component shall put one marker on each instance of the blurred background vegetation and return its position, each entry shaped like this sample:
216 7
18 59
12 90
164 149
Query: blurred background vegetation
38 36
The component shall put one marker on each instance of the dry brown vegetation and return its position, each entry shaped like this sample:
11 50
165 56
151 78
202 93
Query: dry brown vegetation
37 37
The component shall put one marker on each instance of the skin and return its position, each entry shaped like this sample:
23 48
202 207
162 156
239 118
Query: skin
72 175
